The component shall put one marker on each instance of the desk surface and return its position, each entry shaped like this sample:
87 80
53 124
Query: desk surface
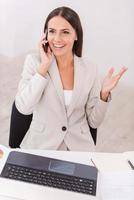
110 165
103 161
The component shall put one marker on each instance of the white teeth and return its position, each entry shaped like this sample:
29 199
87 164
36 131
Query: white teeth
58 46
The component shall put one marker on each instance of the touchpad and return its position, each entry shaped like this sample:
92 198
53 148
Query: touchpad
61 167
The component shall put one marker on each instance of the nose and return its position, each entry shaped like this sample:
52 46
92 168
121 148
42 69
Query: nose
57 37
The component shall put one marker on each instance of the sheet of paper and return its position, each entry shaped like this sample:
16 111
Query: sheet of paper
117 185
129 155
8 198
104 162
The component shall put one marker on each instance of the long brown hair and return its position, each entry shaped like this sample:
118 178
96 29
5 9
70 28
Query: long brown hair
73 18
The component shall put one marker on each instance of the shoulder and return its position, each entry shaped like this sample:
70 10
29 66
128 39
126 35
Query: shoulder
31 62
33 58
87 65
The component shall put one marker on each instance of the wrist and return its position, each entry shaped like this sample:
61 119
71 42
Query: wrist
42 70
104 95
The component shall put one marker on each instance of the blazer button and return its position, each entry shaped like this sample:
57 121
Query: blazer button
64 128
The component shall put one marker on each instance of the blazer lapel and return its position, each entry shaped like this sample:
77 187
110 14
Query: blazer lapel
55 77
78 82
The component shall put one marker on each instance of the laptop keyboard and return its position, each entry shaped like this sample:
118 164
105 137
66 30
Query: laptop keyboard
51 179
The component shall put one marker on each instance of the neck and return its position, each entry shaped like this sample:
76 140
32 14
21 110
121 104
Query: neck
65 61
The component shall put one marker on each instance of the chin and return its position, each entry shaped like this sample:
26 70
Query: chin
58 54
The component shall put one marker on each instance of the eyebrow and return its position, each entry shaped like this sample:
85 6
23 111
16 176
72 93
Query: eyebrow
64 29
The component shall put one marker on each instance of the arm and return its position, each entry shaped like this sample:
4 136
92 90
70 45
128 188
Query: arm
31 87
95 107
98 98
34 79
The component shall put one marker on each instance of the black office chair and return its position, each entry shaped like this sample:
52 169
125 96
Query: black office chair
93 132
19 124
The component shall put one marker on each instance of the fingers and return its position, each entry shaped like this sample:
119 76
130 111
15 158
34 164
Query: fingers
44 35
43 40
42 44
49 50
122 71
110 72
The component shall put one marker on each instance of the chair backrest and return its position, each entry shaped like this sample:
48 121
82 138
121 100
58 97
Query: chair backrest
19 124
93 132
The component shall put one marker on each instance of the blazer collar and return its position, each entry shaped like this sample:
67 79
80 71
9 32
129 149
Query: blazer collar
78 82
78 79
55 77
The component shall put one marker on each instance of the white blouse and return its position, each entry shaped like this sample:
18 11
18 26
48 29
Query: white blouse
67 96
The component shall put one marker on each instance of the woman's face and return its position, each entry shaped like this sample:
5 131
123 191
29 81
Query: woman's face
61 36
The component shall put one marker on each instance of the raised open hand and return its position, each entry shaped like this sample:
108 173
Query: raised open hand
110 82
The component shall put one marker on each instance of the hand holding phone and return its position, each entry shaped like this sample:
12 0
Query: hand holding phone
45 47
45 54
45 44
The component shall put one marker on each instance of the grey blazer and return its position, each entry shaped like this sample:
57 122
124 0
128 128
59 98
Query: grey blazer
53 122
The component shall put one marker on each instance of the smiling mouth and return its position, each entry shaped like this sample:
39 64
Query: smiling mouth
58 46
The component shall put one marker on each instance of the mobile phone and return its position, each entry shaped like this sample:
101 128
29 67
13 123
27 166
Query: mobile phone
45 46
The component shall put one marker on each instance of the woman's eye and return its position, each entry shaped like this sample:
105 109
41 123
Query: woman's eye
51 31
66 32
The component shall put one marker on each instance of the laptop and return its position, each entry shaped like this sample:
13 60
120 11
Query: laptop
49 174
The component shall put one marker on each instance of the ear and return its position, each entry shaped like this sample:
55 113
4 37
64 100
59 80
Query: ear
75 37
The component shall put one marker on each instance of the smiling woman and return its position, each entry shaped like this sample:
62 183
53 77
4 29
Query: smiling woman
62 89
61 36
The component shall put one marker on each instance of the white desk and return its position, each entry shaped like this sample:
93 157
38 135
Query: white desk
116 178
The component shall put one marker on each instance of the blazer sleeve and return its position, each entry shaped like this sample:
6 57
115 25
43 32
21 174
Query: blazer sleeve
95 107
31 87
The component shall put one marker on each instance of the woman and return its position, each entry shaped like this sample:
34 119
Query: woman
62 89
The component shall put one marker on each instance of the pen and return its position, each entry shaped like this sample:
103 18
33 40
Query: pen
94 164
131 165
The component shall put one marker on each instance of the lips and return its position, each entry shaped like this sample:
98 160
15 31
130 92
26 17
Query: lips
58 46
